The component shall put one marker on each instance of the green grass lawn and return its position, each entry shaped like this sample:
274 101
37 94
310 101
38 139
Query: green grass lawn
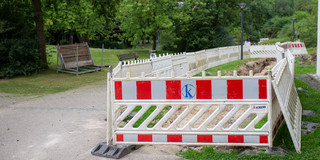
49 81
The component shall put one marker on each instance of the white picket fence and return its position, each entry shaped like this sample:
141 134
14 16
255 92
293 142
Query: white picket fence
217 110
181 63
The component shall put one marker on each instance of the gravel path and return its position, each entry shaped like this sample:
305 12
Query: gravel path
61 126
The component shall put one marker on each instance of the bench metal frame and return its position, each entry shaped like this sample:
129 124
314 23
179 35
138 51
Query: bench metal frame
79 69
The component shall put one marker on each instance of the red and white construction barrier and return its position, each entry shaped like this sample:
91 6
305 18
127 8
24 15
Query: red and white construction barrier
191 89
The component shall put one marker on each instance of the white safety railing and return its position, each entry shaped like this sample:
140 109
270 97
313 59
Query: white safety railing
180 63
222 104
266 51
288 100
172 107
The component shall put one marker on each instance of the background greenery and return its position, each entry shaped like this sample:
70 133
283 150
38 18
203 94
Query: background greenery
176 25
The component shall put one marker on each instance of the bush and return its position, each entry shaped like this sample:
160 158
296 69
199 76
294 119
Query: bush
18 44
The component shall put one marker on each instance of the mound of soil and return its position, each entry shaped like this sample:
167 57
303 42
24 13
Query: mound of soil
309 58
258 67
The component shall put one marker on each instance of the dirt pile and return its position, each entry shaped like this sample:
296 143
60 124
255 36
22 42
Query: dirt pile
309 58
258 67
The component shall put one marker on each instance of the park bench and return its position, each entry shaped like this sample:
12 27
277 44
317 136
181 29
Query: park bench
76 59
127 56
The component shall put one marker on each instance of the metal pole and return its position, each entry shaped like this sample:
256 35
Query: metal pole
241 33
318 43
102 56
77 61
293 29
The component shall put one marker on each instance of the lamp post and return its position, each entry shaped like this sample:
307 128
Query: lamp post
318 43
293 19
242 6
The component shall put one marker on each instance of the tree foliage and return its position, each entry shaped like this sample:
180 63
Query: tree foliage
87 19
18 42
205 27
141 20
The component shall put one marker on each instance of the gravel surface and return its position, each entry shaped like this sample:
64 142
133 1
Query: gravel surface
61 126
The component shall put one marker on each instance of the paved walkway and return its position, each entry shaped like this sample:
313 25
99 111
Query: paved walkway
61 126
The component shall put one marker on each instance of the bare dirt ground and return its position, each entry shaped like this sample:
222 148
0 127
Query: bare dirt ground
61 126
258 67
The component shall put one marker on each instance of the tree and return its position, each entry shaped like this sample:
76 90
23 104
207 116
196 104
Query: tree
141 20
87 19
38 18
283 7
19 51
205 26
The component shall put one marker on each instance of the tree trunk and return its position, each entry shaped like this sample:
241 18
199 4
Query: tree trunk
154 46
38 18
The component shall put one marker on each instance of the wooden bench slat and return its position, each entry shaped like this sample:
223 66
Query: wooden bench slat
126 56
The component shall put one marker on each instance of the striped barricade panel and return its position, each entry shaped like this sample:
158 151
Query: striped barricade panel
239 105
192 139
191 89
298 49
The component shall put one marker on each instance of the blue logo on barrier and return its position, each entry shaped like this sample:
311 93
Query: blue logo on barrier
188 91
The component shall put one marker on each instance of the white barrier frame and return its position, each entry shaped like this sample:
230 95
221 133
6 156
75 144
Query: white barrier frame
196 62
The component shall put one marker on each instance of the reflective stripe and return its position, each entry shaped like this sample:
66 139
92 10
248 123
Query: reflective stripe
118 89
219 89
220 138
130 138
145 137
204 138
204 88
143 89
158 89
192 138
235 89
262 89
159 138
191 89
251 139
129 90
173 89
174 138
235 138
263 139
250 89
189 138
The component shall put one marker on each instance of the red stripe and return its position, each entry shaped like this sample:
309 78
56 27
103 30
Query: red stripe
235 138
204 89
263 139
235 89
292 45
143 89
120 137
262 89
118 89
174 138
204 138
295 45
144 137
301 44
173 89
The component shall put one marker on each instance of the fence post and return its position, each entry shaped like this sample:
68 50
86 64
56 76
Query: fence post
77 60
109 110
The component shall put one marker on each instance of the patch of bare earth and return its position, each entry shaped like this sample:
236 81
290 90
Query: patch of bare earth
258 67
